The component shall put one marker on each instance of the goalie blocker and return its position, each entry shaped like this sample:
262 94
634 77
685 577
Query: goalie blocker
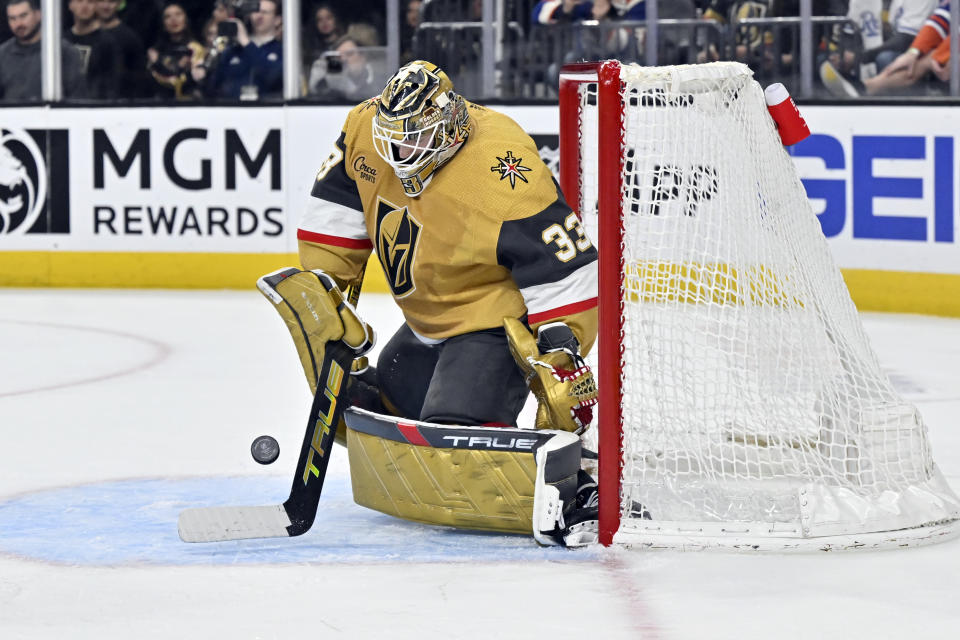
485 478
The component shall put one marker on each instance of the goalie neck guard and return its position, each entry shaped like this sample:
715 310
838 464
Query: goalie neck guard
420 123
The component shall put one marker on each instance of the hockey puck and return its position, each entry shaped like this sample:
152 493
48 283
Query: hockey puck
265 449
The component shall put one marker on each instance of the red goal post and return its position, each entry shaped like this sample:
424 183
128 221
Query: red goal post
610 116
740 401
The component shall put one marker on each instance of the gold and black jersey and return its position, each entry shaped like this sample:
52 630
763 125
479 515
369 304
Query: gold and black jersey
490 236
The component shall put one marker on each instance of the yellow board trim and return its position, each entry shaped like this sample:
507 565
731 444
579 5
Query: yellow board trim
898 291
152 270
935 294
718 283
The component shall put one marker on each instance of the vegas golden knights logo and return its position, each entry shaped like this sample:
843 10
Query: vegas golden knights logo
397 235
407 95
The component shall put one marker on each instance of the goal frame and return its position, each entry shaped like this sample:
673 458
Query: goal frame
610 263
610 353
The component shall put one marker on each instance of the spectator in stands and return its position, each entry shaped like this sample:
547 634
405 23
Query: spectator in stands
842 76
5 33
786 8
603 42
172 57
352 12
843 46
364 33
747 42
408 27
133 79
100 56
145 17
20 57
321 33
906 19
927 57
452 11
928 54
555 11
346 74
611 41
210 34
197 13
620 9
221 11
768 50
251 67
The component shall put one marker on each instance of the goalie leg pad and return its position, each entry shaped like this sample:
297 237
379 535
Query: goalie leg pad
482 478
315 312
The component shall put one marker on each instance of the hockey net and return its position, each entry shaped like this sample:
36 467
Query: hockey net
741 403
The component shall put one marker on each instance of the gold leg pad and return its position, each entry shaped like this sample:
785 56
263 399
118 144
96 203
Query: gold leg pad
472 489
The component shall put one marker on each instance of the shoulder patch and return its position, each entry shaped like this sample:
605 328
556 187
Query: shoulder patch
510 168
369 102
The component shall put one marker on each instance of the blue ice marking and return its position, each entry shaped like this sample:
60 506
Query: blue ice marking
134 522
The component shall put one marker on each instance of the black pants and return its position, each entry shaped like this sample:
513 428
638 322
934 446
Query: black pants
467 379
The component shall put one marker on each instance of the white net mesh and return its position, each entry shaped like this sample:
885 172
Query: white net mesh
753 402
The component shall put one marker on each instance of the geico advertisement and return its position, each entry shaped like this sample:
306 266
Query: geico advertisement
165 179
883 182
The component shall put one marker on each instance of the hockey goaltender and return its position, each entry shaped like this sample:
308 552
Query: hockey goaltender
497 282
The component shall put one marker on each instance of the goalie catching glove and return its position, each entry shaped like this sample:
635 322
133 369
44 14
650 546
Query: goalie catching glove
556 373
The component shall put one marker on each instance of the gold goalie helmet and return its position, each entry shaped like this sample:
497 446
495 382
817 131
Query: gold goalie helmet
420 123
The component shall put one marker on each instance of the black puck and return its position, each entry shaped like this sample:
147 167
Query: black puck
265 449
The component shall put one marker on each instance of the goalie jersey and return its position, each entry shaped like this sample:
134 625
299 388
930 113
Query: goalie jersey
490 236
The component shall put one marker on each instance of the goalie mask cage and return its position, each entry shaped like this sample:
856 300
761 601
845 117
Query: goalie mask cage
740 401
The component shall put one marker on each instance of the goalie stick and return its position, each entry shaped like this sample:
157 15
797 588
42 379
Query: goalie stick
294 516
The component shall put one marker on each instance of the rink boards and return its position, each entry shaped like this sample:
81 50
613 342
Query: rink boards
198 197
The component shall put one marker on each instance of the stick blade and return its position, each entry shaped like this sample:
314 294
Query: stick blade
218 524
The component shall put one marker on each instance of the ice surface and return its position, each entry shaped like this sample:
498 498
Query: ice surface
119 408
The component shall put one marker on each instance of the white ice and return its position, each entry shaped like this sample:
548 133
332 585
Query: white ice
119 408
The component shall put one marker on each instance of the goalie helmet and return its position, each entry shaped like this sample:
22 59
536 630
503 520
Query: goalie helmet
420 123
